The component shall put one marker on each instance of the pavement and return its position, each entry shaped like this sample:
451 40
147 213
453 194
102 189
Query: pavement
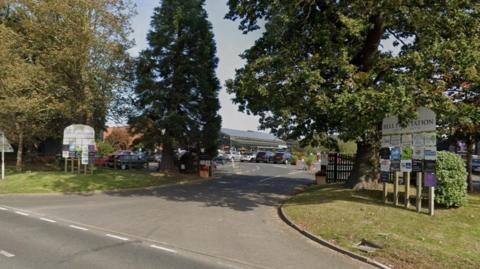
228 222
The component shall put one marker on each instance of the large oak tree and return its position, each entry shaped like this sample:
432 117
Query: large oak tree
325 66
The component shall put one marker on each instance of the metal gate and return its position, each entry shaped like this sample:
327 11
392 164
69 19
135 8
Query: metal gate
339 167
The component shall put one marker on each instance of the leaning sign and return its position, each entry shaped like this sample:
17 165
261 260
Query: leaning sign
410 148
4 147
79 144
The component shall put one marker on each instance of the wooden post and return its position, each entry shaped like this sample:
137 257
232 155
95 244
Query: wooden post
419 191
73 164
385 192
395 188
85 169
431 200
406 179
79 165
66 164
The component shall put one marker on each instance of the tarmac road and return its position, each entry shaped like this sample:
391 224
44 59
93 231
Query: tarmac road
228 222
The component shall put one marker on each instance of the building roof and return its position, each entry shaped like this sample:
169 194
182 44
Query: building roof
250 135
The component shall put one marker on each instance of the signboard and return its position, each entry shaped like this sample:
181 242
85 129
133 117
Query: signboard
79 142
430 180
413 149
78 137
386 141
385 153
395 166
406 166
417 166
430 153
4 144
395 154
384 165
385 177
425 122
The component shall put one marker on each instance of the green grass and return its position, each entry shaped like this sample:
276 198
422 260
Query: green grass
101 180
450 239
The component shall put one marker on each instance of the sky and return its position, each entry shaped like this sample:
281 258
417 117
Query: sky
230 43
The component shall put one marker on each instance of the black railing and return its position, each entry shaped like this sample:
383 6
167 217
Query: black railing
339 167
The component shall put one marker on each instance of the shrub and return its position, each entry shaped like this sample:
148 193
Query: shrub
294 159
104 148
310 159
451 190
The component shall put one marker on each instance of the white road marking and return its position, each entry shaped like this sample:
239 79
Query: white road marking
7 254
22 213
48 220
3 208
279 166
78 227
163 248
268 178
117 237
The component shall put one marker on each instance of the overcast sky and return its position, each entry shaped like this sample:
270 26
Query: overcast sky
230 43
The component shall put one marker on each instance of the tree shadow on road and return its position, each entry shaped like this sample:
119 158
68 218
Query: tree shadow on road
239 192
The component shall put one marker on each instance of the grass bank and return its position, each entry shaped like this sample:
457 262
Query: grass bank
450 239
102 180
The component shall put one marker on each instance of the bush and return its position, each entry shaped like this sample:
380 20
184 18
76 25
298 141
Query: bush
104 148
294 160
451 190
310 159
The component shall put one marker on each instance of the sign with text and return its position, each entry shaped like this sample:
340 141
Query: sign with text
425 122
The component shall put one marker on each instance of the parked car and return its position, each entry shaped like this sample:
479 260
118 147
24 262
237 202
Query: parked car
476 165
131 162
234 156
282 157
100 161
112 159
220 159
248 157
264 156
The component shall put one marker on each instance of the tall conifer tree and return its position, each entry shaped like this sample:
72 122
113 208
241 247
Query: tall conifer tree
177 88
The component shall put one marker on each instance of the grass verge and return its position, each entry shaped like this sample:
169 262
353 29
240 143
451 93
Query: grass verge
102 180
450 239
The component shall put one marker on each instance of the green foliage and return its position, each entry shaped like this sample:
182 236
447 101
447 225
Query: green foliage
177 86
294 159
451 190
61 61
324 66
105 148
310 159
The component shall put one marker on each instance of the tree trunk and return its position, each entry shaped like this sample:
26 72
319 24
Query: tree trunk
19 164
469 143
168 164
364 171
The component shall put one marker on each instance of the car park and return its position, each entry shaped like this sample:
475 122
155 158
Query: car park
248 157
264 157
234 156
282 157
220 159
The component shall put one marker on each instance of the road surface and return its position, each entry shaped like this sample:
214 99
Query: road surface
228 222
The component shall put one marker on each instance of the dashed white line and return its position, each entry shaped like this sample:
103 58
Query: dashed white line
78 227
48 220
163 248
117 237
22 213
3 208
7 254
